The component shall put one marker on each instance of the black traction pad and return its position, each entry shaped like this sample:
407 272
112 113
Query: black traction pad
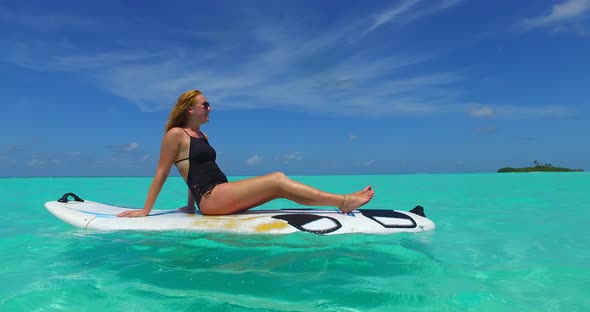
299 220
373 213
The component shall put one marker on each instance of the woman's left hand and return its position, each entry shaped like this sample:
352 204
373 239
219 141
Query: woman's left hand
132 214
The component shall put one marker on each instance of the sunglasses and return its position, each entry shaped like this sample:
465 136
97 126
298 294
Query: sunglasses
205 105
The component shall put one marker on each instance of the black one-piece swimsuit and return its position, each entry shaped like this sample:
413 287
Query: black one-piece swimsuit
203 172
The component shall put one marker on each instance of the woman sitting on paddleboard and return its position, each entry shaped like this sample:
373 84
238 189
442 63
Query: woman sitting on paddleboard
185 146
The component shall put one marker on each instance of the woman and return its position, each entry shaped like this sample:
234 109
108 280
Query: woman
185 146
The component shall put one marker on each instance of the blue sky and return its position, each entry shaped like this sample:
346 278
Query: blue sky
304 87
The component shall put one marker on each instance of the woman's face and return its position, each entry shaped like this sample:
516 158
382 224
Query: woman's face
200 109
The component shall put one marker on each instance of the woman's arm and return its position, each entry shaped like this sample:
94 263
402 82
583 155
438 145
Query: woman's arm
168 152
190 204
191 200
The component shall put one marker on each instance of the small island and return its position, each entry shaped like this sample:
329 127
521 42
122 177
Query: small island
539 168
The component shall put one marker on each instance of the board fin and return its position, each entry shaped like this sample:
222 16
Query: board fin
419 210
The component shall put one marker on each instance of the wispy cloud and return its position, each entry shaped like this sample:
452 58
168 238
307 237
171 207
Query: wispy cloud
260 64
391 14
445 4
245 73
254 160
125 148
569 10
46 160
410 10
290 157
517 112
533 112
130 147
37 162
481 111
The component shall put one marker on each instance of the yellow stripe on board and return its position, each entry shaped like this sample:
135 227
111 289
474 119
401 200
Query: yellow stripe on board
275 225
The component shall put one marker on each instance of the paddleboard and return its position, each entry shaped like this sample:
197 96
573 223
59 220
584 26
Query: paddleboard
88 214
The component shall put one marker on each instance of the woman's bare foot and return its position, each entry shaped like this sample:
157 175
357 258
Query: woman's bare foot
357 199
366 189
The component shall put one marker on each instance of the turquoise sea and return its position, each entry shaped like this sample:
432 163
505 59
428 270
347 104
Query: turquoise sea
504 242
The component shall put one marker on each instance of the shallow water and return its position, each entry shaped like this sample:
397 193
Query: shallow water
504 242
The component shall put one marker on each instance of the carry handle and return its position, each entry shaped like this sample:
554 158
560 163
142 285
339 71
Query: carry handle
64 199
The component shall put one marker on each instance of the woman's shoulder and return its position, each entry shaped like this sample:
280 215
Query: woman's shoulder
175 130
175 133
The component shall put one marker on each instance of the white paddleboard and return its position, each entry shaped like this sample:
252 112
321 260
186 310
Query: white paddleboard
93 215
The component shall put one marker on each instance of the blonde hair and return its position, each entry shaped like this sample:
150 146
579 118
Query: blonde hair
178 114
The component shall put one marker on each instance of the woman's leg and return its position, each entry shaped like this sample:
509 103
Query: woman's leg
241 195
